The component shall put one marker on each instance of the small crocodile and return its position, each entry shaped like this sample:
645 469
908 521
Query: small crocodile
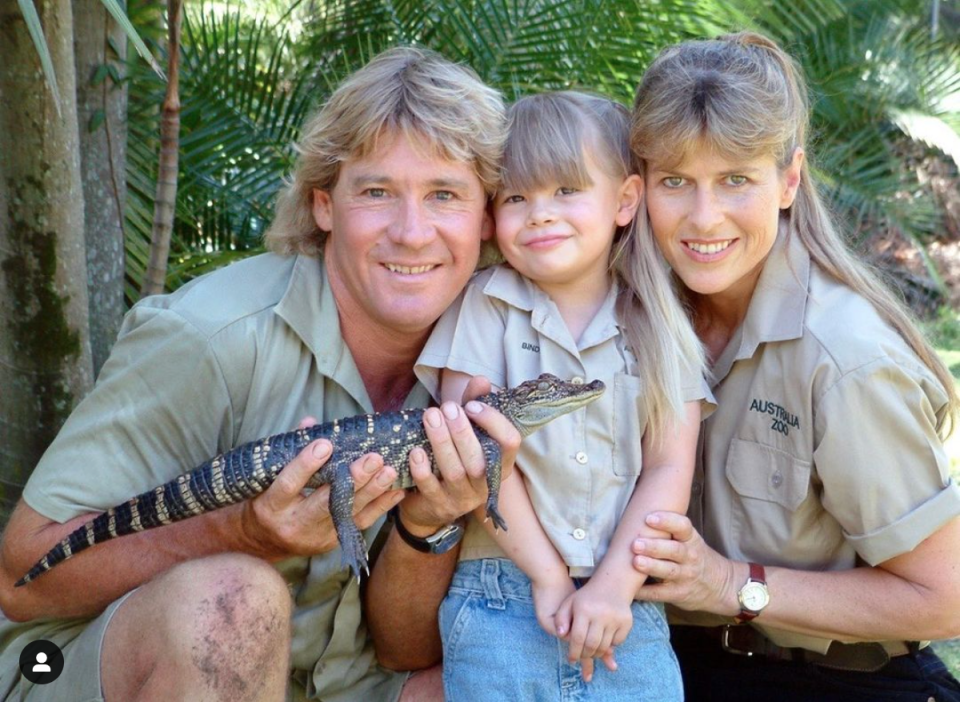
249 469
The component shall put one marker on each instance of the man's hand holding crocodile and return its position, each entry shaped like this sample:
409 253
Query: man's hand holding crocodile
461 486
404 579
284 521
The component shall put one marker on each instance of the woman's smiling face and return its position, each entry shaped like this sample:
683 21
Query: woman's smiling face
716 218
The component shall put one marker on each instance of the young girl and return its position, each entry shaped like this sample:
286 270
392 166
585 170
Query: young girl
582 298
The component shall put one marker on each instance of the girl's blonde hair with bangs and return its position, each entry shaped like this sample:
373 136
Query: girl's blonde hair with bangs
743 96
548 138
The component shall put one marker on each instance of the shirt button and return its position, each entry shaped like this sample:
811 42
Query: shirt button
576 380
579 534
581 457
777 479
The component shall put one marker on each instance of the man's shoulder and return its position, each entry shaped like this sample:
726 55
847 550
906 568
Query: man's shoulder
236 292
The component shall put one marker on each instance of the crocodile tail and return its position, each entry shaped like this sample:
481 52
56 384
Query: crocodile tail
237 475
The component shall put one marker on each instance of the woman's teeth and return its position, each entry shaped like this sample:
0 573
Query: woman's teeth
710 248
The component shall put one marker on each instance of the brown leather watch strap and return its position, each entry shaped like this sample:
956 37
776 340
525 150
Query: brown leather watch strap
756 585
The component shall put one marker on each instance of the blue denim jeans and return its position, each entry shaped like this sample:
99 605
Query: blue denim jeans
711 674
494 649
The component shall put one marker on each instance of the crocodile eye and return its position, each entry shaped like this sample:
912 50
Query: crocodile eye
543 386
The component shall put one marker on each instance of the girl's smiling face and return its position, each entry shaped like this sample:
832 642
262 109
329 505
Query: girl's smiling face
561 235
716 218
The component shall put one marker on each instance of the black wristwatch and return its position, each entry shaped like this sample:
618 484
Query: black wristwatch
439 542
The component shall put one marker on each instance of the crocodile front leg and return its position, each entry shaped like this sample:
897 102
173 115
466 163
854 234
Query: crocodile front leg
494 459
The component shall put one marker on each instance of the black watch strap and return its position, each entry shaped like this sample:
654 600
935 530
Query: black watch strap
439 542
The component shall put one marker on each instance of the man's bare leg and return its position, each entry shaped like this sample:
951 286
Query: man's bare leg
216 628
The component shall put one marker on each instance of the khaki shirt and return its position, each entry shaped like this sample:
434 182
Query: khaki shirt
236 355
580 469
823 453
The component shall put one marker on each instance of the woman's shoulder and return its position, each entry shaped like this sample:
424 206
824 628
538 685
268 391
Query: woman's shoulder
848 330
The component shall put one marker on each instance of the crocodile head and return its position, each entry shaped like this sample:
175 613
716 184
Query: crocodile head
533 403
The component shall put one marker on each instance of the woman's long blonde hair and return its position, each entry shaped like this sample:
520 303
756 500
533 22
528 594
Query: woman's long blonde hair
548 136
747 98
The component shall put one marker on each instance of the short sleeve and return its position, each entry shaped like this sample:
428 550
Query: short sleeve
694 387
158 410
884 471
468 338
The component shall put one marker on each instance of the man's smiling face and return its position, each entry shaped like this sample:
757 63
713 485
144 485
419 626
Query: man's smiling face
405 228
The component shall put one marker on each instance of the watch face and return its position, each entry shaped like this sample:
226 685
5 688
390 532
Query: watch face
754 596
445 539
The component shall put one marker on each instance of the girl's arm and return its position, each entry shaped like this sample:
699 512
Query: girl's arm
525 543
600 611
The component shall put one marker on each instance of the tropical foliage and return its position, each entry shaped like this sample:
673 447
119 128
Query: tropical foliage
879 81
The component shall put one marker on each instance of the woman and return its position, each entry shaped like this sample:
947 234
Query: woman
823 512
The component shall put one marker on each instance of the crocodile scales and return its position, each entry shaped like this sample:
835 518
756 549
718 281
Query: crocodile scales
247 470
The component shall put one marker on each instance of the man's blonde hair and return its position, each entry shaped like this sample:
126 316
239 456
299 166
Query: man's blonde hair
439 105
548 138
745 97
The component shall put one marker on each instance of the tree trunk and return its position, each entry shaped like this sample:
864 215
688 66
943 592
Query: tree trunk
45 366
102 124
164 206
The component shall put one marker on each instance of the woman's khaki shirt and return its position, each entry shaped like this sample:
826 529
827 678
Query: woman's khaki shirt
823 453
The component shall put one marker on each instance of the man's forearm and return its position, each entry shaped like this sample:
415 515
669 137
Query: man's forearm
86 584
402 601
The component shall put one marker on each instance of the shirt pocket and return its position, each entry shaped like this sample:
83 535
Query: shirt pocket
629 422
764 473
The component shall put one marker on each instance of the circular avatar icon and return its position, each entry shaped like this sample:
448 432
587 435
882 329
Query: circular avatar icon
41 662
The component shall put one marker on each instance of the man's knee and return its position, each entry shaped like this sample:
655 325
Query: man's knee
231 594
221 623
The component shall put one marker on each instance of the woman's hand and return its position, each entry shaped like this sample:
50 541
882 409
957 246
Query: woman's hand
692 575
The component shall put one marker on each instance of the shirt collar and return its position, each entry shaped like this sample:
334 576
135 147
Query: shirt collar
310 310
509 286
778 304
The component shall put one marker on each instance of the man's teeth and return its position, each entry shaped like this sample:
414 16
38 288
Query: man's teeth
407 270
710 248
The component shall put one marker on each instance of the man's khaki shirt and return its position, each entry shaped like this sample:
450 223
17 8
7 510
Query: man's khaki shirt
239 354
823 453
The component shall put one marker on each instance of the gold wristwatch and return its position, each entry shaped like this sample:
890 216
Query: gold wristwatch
754 595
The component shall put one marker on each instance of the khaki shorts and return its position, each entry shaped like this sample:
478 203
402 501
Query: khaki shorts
80 679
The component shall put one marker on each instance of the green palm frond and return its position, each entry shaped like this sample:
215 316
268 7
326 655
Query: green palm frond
519 46
869 63
874 72
241 111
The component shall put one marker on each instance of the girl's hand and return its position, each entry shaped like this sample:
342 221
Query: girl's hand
692 575
547 598
594 620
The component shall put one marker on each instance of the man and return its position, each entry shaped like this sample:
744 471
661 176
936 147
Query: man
392 184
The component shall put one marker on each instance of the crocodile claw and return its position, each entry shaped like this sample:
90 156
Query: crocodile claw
354 552
494 514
